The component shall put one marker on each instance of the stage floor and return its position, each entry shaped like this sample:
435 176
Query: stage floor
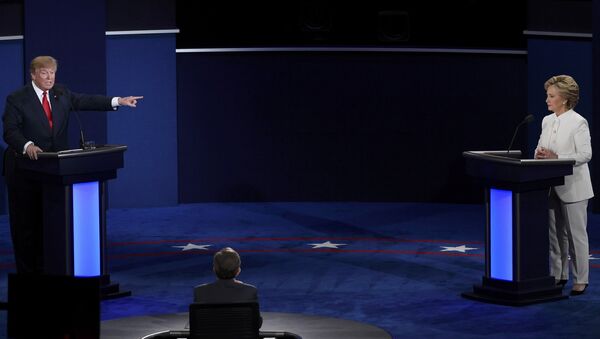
306 326
398 266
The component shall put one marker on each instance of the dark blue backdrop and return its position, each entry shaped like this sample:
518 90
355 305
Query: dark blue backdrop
144 65
74 33
341 126
11 67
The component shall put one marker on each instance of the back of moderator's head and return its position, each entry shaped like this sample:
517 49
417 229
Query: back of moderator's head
226 263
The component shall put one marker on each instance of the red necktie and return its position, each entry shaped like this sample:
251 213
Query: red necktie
47 109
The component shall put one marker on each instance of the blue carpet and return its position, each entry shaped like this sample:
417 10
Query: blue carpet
391 270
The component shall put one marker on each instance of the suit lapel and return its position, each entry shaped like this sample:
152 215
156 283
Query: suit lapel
37 109
58 111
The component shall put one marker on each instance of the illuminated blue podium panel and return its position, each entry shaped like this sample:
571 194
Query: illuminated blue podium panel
516 227
74 203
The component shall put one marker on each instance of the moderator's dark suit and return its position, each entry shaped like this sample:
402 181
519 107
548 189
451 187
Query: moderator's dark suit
225 291
24 120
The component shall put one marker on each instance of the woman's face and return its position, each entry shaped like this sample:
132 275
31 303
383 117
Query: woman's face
556 103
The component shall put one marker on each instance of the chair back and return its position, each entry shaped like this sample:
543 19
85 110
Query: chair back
224 321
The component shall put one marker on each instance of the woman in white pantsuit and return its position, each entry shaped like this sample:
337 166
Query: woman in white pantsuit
565 134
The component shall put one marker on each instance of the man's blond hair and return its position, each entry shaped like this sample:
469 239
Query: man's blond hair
42 61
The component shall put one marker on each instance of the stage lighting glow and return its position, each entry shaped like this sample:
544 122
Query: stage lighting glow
86 229
501 234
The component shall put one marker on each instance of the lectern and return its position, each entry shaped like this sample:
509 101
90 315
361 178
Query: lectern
74 215
516 227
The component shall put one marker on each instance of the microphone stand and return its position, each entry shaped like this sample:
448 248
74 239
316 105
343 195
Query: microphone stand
82 143
513 137
527 120
81 138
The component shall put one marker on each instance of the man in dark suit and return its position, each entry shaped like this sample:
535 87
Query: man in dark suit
226 289
36 120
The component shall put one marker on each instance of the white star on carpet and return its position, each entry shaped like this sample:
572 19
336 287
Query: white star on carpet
461 248
327 244
191 246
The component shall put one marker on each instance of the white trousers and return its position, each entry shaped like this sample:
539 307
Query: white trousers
568 237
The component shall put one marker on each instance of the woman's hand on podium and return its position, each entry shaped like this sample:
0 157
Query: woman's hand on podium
544 153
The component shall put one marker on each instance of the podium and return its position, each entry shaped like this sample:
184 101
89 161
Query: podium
74 210
516 226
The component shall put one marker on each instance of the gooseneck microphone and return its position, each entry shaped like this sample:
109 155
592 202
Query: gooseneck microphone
57 93
527 120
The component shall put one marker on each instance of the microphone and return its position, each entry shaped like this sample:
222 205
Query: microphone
527 120
57 93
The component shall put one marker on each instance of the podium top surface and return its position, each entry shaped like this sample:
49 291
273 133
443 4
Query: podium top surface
514 158
508 170
71 153
70 165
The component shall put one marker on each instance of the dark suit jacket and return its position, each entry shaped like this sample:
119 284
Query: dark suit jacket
24 118
225 291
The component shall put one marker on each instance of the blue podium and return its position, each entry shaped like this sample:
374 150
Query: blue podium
516 226
74 200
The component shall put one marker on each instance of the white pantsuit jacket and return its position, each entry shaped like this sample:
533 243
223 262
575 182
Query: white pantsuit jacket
569 137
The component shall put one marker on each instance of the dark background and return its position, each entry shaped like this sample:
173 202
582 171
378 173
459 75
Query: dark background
359 125
560 15
497 24
342 126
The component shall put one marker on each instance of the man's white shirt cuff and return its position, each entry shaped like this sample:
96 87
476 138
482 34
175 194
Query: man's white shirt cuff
25 147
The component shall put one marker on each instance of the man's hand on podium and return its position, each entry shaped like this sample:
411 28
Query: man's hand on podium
32 151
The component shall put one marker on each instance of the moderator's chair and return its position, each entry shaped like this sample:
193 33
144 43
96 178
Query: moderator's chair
224 321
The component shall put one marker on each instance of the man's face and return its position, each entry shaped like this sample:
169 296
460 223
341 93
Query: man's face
43 77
